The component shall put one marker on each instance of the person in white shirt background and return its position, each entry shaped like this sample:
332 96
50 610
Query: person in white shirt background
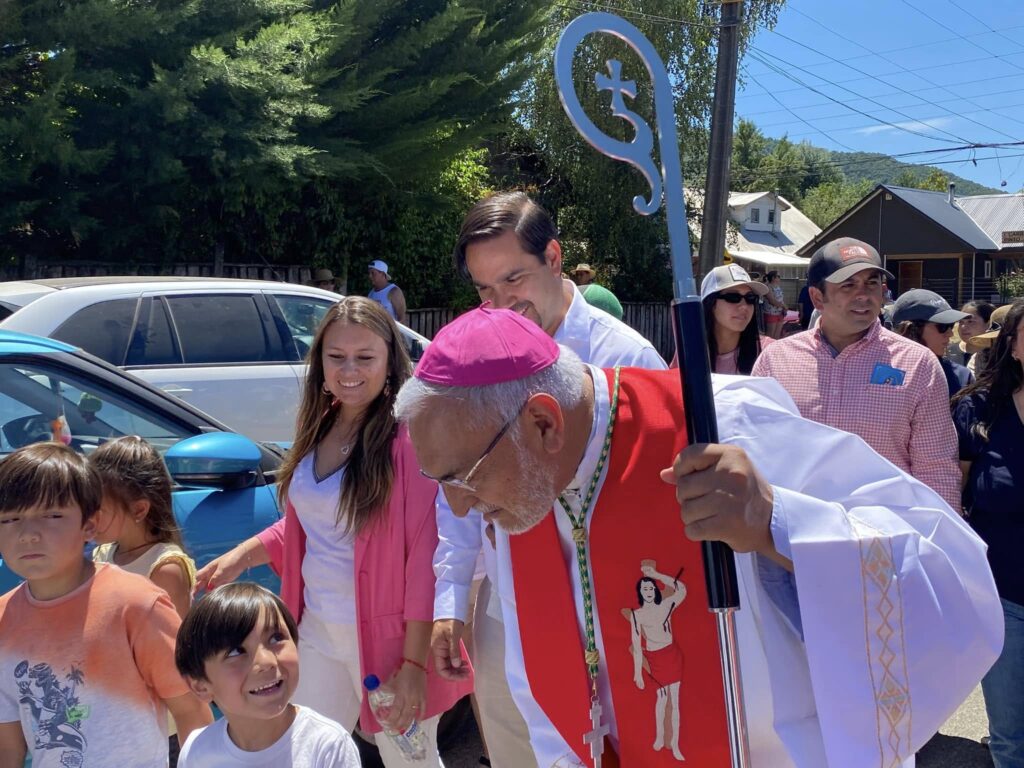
508 249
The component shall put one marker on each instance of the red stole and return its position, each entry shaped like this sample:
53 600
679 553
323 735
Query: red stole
636 520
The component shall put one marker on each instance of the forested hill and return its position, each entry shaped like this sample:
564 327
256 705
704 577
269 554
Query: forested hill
882 169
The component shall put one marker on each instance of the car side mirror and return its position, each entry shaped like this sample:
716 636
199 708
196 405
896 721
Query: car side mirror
221 460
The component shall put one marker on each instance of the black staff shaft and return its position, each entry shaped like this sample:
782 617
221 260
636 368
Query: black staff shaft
702 427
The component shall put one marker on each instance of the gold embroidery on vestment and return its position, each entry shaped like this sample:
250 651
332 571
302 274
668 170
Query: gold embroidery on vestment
886 644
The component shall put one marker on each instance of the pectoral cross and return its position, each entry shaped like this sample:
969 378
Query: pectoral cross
595 738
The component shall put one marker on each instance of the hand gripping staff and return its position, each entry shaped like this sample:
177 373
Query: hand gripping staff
666 184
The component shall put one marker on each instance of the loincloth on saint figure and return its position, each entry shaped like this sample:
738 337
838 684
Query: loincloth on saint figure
664 666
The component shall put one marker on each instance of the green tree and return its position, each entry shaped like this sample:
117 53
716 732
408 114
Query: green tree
825 203
924 178
749 150
261 130
590 194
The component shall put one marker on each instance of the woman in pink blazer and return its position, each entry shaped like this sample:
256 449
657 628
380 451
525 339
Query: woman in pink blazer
355 547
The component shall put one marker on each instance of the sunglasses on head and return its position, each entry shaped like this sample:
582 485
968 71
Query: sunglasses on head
736 298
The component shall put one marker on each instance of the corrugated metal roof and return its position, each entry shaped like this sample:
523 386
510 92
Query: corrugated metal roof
795 230
936 206
996 214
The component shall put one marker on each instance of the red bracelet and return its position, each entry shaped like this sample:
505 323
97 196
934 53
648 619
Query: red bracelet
407 660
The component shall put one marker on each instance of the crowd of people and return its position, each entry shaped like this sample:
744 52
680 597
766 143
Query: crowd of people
514 519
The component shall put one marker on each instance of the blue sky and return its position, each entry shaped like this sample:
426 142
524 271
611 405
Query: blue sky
895 76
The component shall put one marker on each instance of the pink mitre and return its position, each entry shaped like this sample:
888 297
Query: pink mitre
486 346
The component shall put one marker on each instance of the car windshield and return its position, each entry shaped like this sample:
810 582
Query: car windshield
39 402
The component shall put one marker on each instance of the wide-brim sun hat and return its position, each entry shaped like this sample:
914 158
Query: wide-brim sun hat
983 341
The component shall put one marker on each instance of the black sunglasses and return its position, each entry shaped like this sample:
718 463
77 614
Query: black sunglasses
943 327
736 298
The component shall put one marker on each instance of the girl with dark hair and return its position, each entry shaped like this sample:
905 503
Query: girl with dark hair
989 419
978 320
135 527
355 548
730 300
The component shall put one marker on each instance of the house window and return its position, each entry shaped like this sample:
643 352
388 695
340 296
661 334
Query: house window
755 215
988 270
771 216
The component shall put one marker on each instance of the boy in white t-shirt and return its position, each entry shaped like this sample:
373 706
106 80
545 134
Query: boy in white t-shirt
237 647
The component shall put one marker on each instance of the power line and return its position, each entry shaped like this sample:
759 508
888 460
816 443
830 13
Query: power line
922 77
884 95
846 114
950 29
984 24
847 128
914 70
755 55
802 120
933 42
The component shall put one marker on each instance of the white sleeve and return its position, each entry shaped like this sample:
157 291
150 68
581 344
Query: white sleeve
645 357
340 753
458 545
897 605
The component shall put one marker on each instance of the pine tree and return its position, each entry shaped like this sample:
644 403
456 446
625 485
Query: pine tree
267 129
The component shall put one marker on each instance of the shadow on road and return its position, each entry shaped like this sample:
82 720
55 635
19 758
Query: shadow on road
953 752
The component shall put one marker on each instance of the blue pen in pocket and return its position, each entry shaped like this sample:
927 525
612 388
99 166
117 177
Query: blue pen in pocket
886 374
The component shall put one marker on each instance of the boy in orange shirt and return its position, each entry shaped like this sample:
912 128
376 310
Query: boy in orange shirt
86 650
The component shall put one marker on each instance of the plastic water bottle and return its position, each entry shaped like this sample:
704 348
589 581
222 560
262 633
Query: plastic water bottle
413 741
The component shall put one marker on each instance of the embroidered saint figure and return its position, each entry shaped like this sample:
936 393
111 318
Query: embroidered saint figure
655 656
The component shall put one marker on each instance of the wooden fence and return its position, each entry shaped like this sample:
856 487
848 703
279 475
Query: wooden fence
650 320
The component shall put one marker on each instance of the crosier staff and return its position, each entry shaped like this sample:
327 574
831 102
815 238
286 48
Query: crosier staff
687 312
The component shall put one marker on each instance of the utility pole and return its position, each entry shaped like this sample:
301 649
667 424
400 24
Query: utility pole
716 187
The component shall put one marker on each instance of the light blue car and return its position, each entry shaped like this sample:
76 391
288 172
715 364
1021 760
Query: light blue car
225 484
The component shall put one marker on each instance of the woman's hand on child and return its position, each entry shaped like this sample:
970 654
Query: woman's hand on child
225 569
409 685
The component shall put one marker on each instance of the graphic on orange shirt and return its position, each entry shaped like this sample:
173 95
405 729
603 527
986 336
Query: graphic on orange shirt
655 654
56 713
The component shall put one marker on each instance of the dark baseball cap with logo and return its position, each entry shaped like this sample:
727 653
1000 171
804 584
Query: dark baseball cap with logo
919 304
841 259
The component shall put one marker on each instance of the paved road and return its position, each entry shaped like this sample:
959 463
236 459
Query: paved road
956 746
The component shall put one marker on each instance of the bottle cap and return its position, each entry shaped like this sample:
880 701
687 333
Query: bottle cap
371 682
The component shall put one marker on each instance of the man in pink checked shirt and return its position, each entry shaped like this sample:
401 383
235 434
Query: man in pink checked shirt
852 374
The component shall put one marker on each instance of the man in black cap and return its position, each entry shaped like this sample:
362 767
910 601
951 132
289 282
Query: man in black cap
851 373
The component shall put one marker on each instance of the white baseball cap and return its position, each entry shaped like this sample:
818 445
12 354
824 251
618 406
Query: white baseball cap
380 266
729 276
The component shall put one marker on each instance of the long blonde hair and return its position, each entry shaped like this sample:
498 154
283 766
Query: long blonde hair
366 486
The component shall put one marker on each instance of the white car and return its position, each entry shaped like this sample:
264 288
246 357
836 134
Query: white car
232 348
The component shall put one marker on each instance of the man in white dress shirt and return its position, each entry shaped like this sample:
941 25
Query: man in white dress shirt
868 611
508 249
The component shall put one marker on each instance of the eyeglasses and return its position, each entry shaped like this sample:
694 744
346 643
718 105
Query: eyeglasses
463 484
736 298
943 327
